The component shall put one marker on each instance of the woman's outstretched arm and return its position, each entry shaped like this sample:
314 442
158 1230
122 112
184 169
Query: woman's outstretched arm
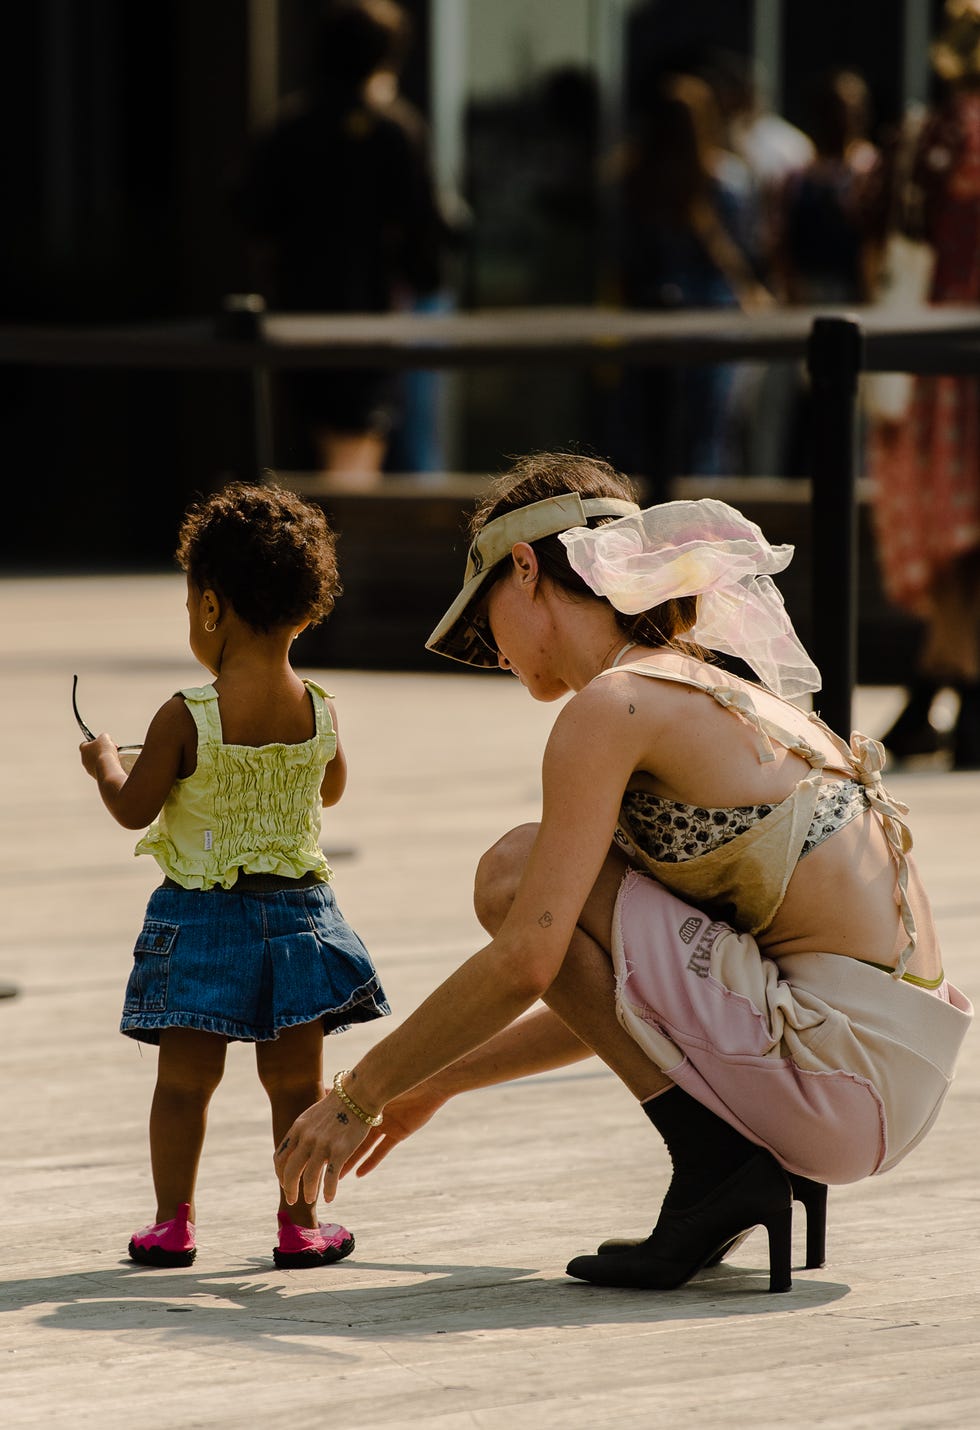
538 1042
593 750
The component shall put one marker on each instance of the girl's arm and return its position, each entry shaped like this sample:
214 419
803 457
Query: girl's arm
135 800
538 1042
335 775
593 750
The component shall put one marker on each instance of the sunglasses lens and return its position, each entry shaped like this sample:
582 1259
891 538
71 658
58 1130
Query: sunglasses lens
484 634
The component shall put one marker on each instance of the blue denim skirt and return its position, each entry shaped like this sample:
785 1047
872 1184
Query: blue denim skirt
246 965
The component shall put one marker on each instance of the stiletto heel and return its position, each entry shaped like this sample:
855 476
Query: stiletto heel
779 1226
813 1196
685 1241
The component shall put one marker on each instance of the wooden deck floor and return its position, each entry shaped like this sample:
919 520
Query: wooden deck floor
454 1311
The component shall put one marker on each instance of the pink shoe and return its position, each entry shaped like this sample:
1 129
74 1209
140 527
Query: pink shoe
306 1246
166 1243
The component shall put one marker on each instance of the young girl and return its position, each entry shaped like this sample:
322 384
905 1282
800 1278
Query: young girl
243 939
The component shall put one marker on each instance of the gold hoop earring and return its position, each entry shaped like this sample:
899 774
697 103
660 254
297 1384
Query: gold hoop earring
210 627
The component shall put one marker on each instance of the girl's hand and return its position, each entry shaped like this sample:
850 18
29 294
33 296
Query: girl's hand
320 1143
403 1116
95 752
134 790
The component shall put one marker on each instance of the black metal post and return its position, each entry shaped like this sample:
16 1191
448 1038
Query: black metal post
834 360
240 320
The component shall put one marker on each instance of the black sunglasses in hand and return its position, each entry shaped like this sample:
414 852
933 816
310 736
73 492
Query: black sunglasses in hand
123 749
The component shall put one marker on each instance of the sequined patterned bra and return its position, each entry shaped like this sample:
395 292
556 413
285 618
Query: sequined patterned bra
671 832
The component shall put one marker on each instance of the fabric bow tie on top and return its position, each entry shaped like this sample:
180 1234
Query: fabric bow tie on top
709 550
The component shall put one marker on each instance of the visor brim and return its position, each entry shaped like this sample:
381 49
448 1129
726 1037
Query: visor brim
455 636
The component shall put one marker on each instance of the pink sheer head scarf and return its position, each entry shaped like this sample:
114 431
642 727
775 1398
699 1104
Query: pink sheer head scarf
709 550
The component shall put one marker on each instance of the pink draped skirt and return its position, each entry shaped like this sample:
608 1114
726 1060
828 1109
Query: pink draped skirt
834 1066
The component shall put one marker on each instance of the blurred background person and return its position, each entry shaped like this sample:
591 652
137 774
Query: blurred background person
926 467
826 228
340 202
826 207
773 150
770 147
689 231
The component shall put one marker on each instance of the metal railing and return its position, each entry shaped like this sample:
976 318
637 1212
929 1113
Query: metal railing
836 346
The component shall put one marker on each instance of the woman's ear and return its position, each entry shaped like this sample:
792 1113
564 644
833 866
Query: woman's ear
525 560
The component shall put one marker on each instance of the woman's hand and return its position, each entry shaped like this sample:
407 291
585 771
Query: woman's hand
403 1116
319 1144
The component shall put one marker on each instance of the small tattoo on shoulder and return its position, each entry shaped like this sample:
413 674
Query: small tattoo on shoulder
546 920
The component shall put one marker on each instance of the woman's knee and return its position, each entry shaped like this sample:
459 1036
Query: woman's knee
499 873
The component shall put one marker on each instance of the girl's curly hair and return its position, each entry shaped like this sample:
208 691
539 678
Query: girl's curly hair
264 550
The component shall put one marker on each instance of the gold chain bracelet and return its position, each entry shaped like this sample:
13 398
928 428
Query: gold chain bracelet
348 1101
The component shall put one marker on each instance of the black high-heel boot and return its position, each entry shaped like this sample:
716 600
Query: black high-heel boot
912 733
686 1240
811 1195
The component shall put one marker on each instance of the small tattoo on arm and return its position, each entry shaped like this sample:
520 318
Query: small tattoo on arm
342 1117
546 920
632 709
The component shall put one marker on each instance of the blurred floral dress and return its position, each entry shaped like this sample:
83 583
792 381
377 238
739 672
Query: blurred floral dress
926 469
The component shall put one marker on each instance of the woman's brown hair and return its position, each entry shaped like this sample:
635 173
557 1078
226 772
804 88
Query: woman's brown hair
550 474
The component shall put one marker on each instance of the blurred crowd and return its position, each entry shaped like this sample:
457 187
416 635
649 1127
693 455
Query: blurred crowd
725 204
710 199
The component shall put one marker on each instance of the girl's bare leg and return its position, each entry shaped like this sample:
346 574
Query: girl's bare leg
291 1070
583 995
189 1068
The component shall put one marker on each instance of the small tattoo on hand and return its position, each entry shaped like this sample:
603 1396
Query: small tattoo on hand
283 1145
331 1168
342 1117
546 920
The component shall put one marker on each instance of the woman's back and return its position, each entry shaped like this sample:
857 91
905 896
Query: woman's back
705 752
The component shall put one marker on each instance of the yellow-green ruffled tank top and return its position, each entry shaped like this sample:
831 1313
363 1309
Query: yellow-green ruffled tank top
245 809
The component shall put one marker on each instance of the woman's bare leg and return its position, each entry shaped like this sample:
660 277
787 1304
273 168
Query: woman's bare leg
583 995
952 649
710 1159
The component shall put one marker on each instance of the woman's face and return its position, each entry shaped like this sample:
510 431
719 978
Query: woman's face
519 626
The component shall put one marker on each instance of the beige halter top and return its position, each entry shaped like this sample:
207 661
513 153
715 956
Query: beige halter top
747 875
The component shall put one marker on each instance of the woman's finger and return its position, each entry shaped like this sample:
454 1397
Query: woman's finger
359 1153
290 1164
378 1154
